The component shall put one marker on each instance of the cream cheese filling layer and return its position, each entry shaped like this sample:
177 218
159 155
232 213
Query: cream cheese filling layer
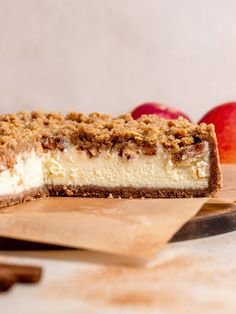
27 173
73 167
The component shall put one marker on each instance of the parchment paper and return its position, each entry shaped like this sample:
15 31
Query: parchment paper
128 227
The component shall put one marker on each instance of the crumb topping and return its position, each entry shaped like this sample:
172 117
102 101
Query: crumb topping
97 132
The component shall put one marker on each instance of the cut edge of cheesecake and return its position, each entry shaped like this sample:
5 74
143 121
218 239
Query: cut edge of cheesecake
101 156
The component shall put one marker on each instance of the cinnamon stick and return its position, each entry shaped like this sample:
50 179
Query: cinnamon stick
7 279
23 273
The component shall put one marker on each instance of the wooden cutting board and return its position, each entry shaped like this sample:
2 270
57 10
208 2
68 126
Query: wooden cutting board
216 216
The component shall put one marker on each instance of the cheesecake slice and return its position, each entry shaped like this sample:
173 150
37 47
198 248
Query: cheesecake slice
99 156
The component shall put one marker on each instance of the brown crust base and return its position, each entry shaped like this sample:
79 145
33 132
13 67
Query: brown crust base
23 197
99 192
215 177
126 192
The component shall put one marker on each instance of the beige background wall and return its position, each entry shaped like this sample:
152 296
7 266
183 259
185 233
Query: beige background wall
109 55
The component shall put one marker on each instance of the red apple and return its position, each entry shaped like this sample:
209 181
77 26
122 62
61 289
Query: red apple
224 119
159 110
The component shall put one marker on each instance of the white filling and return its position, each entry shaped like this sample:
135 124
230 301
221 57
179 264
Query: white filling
26 174
110 170
72 167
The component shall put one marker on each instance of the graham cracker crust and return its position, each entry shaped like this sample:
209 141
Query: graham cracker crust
215 177
126 192
23 197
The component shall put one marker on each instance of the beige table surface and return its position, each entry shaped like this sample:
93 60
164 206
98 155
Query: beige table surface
196 276
190 277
